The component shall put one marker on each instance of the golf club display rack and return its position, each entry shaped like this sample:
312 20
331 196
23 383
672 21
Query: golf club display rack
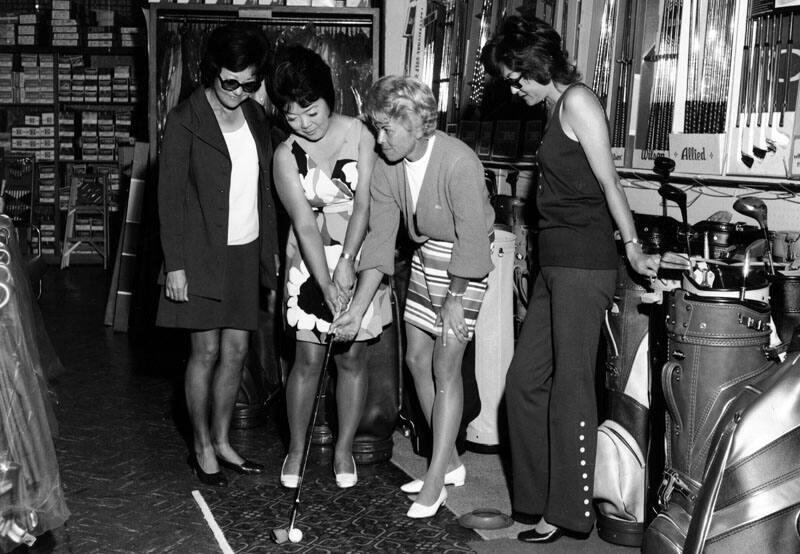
711 84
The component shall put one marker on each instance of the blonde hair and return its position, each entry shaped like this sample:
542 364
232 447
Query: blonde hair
404 98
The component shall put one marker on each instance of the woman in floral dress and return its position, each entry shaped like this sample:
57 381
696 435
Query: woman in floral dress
322 174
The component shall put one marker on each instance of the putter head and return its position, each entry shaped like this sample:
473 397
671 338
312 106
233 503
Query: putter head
752 207
279 535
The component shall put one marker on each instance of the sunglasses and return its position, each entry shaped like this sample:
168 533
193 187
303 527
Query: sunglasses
232 84
516 82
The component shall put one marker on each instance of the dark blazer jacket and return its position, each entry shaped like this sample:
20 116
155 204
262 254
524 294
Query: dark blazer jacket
193 190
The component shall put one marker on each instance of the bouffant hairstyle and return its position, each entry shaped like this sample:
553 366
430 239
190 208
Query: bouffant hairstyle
531 47
404 98
300 75
235 46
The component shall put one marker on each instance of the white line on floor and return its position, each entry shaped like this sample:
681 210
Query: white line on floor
212 523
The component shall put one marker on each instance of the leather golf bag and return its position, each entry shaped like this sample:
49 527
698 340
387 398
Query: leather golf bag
785 303
620 485
750 499
716 347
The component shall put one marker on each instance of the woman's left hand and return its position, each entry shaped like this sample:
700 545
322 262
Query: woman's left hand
344 276
643 264
451 316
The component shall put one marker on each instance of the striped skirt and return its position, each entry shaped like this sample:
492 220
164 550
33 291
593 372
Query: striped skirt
427 288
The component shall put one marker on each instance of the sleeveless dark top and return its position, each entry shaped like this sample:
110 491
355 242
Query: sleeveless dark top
575 226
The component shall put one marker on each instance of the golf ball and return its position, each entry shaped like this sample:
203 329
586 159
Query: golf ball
295 535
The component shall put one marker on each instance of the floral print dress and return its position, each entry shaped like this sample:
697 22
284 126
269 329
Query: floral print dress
331 198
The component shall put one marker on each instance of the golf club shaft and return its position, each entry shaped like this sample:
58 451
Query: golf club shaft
310 431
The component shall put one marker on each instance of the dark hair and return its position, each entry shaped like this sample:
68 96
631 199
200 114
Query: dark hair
235 46
300 75
531 47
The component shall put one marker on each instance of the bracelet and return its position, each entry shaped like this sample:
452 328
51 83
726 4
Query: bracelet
455 294
346 256
634 240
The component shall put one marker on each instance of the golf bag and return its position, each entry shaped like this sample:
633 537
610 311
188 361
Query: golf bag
785 302
750 499
716 347
620 486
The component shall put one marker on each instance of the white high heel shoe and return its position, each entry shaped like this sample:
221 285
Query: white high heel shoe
346 480
457 478
418 511
288 480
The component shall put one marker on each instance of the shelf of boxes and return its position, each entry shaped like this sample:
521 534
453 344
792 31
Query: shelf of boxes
78 98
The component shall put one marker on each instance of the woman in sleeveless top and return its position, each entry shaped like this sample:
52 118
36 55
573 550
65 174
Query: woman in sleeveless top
550 385
322 173
218 235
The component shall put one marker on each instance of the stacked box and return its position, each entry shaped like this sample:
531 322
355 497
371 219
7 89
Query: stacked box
100 37
47 184
66 136
64 78
106 140
65 27
89 139
47 85
8 29
131 37
120 91
104 84
6 79
90 84
27 29
34 137
76 85
122 127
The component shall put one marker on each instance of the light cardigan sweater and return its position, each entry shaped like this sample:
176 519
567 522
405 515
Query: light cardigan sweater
453 206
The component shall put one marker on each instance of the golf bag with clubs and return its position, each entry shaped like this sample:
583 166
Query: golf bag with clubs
750 498
716 346
620 487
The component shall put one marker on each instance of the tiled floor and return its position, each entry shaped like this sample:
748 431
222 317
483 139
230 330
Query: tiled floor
123 459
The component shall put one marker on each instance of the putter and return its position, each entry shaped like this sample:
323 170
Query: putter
291 533
757 209
754 248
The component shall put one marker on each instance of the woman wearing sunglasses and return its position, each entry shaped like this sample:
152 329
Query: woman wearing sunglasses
218 232
550 384
322 175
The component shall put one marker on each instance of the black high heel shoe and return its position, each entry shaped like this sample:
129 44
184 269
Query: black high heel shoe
532 535
217 479
245 468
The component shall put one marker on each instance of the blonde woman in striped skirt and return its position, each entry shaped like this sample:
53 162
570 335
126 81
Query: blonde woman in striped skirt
435 183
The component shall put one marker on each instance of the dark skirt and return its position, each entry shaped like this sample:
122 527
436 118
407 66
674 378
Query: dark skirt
236 309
